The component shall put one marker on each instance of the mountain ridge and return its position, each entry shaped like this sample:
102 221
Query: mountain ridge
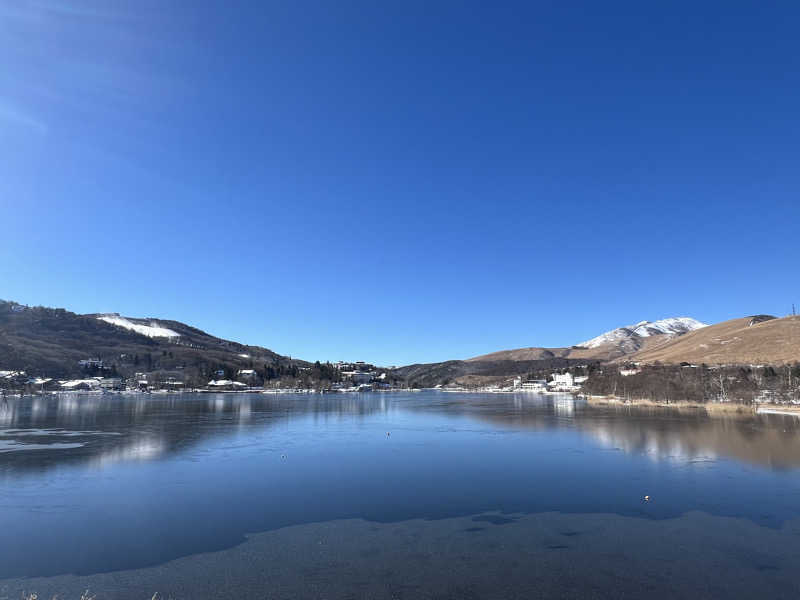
670 326
606 346
53 341
756 339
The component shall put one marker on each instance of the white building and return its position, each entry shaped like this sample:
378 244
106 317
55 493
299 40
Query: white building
11 374
562 380
225 384
359 377
535 385
247 373
80 384
566 382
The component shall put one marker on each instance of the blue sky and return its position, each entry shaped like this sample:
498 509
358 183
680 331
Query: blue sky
400 182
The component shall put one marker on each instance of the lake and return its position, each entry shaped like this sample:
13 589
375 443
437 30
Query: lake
396 495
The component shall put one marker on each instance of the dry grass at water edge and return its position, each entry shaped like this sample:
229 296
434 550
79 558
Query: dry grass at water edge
710 407
84 596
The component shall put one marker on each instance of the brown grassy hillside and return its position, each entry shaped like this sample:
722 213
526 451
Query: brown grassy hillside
605 352
522 354
750 340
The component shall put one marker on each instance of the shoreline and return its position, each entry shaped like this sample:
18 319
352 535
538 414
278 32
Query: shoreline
594 400
710 407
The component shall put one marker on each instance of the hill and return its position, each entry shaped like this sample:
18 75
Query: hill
497 366
52 341
477 372
760 339
606 346
632 337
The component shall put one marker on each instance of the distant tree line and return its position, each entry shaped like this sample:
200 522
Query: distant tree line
697 383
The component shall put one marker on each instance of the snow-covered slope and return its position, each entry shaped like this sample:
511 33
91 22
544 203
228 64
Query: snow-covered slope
627 335
152 330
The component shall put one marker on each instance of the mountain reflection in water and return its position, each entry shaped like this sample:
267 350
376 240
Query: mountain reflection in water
104 429
110 428
173 476
767 440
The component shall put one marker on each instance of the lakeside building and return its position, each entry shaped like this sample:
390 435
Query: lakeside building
566 382
110 383
225 384
12 375
88 384
358 377
75 385
534 385
248 374
562 380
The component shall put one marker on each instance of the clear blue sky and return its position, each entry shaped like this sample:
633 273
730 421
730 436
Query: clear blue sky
401 182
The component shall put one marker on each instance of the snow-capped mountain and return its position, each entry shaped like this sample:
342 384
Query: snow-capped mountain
53 342
628 336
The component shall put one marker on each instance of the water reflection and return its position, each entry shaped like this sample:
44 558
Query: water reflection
767 440
106 429
169 476
100 430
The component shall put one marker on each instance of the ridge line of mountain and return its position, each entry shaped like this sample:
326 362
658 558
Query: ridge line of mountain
57 342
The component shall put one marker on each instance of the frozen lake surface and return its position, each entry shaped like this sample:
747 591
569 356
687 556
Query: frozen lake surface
418 495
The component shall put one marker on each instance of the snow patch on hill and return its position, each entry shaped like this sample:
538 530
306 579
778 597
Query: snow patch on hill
672 326
152 330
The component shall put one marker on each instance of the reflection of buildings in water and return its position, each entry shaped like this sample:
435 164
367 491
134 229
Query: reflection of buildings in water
244 410
529 400
114 428
38 406
141 449
152 426
7 412
563 404
564 407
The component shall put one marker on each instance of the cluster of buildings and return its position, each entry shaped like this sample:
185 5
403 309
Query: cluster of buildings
20 378
97 377
92 384
245 379
359 376
559 382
